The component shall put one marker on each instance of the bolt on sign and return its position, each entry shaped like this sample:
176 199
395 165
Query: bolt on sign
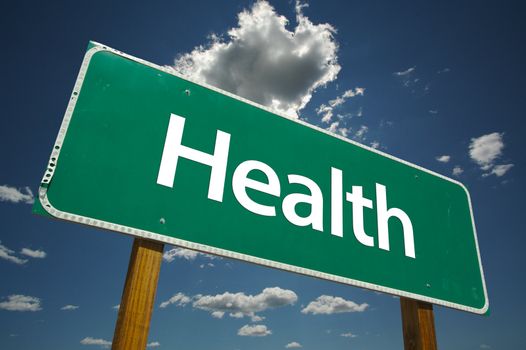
147 152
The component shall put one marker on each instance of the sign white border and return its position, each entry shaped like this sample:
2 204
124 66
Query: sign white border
48 176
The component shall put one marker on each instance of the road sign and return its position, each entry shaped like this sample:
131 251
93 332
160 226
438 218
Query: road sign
147 152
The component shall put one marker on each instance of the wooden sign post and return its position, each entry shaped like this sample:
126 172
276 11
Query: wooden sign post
418 325
133 321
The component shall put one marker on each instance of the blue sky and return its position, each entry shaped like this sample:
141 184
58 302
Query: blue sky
437 84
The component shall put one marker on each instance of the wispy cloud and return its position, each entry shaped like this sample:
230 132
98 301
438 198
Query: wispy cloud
96 341
258 330
37 254
22 303
485 150
348 335
179 299
8 254
265 62
153 344
326 304
326 111
406 72
457 170
375 144
14 195
499 170
186 254
69 307
293 345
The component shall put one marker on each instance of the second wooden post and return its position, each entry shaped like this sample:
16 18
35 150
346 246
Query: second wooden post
418 325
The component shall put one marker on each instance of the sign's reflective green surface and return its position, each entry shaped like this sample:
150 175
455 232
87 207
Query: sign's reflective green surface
145 152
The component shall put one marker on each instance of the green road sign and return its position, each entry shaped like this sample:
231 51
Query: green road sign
146 152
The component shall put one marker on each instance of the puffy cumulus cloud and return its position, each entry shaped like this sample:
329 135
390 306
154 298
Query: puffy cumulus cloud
153 344
14 195
69 307
257 330
263 61
96 341
327 110
19 302
457 170
179 299
239 305
37 254
485 150
8 254
443 159
293 345
326 304
375 144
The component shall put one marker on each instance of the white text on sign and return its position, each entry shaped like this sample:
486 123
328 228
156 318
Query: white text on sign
173 149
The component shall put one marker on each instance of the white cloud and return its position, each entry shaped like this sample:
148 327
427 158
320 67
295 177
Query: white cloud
153 344
187 254
360 133
37 254
500 170
293 345
433 111
183 253
18 302
218 314
327 111
337 129
484 150
457 170
257 330
348 335
116 307
12 194
179 299
326 304
444 158
241 305
405 72
375 144
202 266
69 307
445 70
96 341
263 61
7 254
256 318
